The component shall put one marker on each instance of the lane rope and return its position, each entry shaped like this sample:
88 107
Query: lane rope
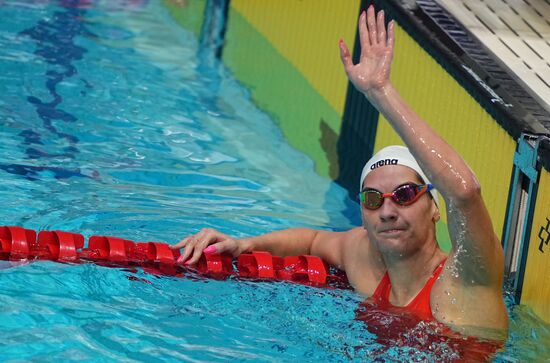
18 244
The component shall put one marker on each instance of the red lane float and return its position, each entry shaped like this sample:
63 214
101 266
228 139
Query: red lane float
18 243
58 246
15 242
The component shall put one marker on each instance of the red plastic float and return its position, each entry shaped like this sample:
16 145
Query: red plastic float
18 243
58 246
15 242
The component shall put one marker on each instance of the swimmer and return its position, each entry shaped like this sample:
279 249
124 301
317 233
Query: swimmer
394 257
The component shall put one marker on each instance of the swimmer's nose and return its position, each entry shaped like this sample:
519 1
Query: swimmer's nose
387 211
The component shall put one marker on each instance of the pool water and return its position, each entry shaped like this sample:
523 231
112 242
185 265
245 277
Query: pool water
113 122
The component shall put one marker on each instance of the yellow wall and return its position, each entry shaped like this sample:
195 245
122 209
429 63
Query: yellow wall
536 293
306 33
457 117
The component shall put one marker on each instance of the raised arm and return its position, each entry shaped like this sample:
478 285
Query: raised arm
469 222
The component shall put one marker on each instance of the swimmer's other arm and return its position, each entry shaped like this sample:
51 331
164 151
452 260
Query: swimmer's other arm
289 242
468 218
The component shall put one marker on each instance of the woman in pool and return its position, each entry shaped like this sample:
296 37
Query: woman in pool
394 258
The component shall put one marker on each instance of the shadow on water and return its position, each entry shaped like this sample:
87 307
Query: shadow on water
55 44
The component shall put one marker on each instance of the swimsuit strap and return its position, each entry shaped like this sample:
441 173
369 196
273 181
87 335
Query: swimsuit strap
382 292
420 305
421 302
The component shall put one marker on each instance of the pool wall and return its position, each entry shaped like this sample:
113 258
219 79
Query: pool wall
189 16
536 289
286 57
286 54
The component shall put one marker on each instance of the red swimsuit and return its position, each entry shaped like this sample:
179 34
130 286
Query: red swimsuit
419 306
413 325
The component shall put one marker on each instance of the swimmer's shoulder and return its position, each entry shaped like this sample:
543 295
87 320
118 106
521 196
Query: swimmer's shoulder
352 243
362 262
356 242
337 248
352 252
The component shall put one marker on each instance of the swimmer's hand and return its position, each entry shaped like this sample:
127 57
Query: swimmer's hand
207 240
372 72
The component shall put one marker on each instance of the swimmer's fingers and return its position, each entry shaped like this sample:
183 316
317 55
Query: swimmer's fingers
190 243
371 25
363 33
203 240
381 28
182 243
229 245
345 56
391 35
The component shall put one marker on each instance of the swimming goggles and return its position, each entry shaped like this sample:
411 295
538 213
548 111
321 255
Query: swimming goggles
404 194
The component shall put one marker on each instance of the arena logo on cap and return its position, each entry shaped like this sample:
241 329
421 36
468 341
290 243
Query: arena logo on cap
383 163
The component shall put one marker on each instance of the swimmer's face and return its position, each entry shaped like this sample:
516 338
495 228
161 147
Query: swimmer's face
396 228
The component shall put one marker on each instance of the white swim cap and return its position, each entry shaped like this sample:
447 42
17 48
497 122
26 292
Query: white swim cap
396 155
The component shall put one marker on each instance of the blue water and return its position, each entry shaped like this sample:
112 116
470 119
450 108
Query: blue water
114 123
